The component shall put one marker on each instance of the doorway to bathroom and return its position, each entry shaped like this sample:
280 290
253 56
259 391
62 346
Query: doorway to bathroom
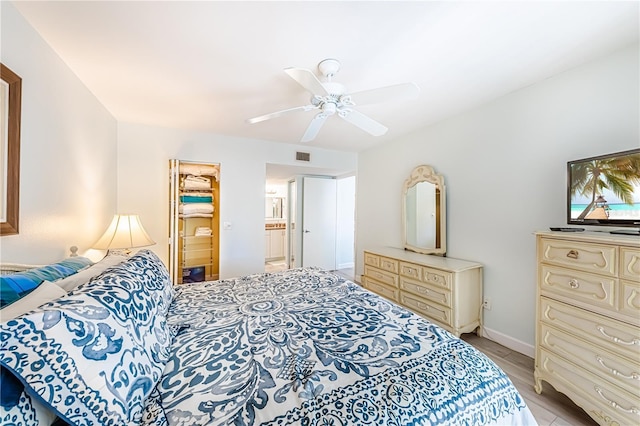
318 222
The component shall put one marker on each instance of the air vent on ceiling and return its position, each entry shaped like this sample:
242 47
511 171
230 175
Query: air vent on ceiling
303 156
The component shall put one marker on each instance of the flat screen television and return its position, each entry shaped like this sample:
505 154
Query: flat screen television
605 190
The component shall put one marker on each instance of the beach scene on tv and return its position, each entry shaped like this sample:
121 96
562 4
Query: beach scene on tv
606 188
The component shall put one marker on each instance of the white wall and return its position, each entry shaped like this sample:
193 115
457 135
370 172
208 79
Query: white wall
505 172
68 152
79 166
143 184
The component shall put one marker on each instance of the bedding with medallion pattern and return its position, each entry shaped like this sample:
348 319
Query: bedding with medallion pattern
306 347
299 347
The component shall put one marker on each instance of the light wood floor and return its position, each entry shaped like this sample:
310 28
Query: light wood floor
347 273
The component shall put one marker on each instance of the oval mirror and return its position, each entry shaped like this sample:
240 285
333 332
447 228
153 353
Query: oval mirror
424 212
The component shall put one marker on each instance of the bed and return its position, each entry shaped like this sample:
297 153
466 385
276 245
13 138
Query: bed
300 347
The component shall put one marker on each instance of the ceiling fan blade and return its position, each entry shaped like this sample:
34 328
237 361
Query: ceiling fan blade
403 91
307 79
362 121
314 127
279 113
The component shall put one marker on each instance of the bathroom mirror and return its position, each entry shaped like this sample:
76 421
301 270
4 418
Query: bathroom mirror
273 207
424 212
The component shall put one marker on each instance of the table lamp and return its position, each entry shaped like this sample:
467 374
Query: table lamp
124 233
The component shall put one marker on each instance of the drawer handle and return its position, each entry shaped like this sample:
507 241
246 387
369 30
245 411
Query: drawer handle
573 254
422 290
616 339
574 283
433 278
633 376
632 410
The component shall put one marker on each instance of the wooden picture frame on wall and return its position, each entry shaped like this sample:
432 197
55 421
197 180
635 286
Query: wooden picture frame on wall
10 109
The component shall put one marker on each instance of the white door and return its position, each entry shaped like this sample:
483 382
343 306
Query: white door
293 257
319 223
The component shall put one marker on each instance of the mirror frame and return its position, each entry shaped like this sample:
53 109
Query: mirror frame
424 173
11 145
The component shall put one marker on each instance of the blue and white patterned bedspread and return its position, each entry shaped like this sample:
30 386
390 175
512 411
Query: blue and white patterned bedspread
306 347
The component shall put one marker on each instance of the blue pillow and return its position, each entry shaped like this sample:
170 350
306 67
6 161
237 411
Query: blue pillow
95 355
15 286
51 272
59 270
76 263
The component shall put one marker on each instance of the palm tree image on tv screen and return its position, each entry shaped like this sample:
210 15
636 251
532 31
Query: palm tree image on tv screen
606 188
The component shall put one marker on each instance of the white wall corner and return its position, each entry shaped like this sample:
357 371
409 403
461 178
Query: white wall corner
509 342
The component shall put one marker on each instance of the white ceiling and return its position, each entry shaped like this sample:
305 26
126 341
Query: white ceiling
210 65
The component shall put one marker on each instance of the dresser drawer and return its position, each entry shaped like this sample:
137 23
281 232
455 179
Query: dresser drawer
600 399
390 293
382 276
390 265
630 263
630 301
411 270
611 367
578 287
580 255
616 336
445 290
433 293
437 277
427 308
371 259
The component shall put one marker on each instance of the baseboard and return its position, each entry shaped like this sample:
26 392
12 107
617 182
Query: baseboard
345 265
509 342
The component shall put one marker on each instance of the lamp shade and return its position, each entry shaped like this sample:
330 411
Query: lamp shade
125 232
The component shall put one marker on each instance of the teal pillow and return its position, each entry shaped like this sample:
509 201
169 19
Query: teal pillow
57 271
51 272
76 263
15 286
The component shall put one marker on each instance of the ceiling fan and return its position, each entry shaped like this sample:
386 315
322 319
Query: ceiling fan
331 98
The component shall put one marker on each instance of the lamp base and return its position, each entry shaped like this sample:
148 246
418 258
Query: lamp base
119 252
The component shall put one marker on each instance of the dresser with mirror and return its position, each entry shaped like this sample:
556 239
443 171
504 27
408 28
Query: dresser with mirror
419 275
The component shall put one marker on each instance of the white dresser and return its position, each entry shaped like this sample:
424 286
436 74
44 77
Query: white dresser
588 324
446 291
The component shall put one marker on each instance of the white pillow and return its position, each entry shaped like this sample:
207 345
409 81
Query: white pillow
72 281
45 292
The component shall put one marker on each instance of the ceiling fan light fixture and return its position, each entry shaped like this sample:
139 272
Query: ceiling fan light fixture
331 98
329 108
